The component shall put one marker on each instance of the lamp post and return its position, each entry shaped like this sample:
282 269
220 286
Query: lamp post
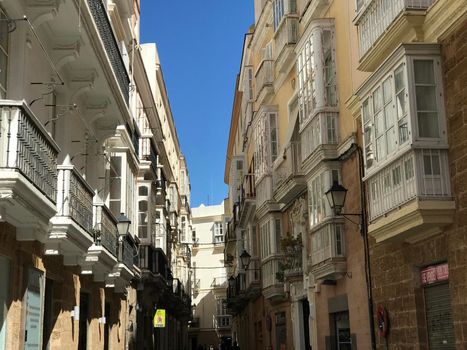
336 196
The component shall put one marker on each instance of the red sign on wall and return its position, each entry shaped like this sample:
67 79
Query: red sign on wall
433 274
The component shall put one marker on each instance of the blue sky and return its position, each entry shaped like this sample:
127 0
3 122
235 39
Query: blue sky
200 45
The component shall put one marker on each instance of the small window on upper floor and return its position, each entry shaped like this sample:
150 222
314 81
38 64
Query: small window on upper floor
218 233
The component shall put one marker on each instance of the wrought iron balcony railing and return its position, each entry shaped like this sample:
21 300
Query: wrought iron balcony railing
106 225
104 27
25 146
74 197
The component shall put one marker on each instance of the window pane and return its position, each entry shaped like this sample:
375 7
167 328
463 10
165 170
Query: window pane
387 93
408 167
379 121
366 111
377 100
143 206
435 164
428 124
399 78
423 71
143 191
381 148
426 98
389 116
401 104
391 140
403 131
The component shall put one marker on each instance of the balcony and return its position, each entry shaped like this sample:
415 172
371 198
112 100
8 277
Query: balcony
236 297
219 282
247 200
253 279
154 265
221 321
264 78
285 38
104 27
101 257
328 260
318 139
382 25
28 171
265 196
410 199
71 233
293 265
288 179
273 289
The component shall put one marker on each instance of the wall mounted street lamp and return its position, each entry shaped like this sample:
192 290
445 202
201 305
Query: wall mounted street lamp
245 259
336 196
123 224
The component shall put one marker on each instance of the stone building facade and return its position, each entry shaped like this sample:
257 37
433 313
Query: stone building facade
372 95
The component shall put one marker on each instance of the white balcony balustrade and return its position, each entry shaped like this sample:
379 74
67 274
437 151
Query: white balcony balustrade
264 76
321 130
286 34
415 185
376 16
28 170
328 259
221 321
290 165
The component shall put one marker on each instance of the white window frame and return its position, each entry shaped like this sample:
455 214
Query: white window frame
266 142
313 81
218 236
405 123
318 206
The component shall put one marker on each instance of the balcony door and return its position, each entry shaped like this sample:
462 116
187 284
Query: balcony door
34 301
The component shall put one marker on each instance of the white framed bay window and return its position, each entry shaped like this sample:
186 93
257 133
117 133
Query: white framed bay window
266 141
317 87
403 119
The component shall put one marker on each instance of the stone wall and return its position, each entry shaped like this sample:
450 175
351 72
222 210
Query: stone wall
66 286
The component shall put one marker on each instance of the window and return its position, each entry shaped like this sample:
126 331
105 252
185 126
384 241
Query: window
403 105
278 229
115 195
4 37
218 233
266 143
183 229
317 202
316 65
143 219
425 91
282 8
270 236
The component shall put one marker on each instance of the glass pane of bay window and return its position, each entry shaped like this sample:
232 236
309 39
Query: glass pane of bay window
273 135
425 91
329 69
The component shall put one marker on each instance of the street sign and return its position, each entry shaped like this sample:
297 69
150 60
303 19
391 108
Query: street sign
159 318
